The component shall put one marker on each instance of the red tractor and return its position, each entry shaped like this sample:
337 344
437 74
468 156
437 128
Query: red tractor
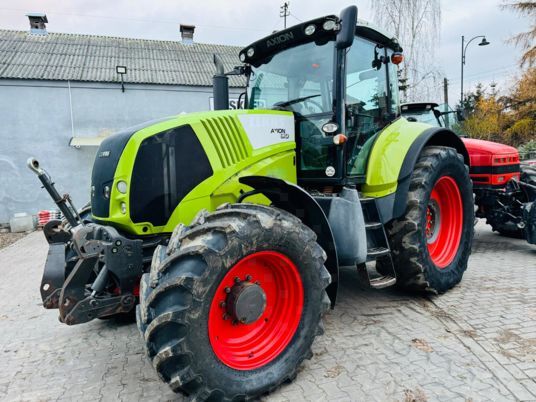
504 187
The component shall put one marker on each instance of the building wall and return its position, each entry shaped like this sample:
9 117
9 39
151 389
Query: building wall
38 118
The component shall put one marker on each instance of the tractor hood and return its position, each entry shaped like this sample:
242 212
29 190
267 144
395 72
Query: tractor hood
488 153
491 163
482 147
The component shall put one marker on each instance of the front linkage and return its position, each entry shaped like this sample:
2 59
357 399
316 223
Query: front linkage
91 270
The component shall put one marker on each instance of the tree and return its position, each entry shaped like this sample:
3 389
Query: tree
417 26
525 39
508 119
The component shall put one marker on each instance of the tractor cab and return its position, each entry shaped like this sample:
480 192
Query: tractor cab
340 89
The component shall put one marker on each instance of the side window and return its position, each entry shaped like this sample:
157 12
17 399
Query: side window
367 100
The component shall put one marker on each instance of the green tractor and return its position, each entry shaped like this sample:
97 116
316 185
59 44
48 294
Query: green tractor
229 227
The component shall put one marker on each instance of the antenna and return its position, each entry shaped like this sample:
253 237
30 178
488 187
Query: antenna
285 12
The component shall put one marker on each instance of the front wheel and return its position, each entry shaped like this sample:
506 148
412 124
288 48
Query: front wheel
233 303
431 242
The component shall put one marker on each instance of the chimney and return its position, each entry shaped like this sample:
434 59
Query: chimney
37 23
187 34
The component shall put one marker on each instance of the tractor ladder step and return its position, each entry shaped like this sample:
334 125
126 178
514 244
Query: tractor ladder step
370 276
377 252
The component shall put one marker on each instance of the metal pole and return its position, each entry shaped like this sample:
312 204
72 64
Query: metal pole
446 98
446 90
461 85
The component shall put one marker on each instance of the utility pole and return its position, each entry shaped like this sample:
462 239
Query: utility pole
285 12
446 90
446 99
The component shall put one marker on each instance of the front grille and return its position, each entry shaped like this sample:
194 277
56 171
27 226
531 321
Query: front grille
225 135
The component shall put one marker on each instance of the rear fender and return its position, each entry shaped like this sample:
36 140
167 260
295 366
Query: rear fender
298 202
437 136
393 159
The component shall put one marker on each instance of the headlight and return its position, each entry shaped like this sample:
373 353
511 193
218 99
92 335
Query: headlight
122 186
330 127
123 208
242 57
310 29
106 192
251 52
329 25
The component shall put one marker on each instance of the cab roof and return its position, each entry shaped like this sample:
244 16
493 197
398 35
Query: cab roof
295 35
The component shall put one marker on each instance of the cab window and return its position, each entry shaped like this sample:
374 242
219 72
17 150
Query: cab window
368 102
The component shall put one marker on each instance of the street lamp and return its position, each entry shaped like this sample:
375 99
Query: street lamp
483 42
121 70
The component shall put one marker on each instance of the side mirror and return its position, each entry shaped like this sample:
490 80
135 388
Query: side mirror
348 21
460 116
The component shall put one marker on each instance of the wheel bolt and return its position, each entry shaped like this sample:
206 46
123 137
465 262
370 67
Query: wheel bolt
248 278
237 279
235 322
223 304
257 283
225 316
227 290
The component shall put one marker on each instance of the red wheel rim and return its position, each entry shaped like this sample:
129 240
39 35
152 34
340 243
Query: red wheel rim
250 346
444 222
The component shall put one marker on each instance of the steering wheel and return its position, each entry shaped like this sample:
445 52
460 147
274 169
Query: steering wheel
315 104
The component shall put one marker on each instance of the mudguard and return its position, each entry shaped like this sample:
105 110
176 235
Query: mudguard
433 136
298 202
393 158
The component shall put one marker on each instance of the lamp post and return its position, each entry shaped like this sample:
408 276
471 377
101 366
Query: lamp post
483 42
121 70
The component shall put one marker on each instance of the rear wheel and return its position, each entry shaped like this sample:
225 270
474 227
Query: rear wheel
431 243
233 303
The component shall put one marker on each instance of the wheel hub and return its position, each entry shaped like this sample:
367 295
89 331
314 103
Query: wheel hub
246 302
433 221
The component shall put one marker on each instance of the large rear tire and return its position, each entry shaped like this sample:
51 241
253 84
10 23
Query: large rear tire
431 242
233 303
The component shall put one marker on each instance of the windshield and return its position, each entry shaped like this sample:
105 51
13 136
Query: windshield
298 79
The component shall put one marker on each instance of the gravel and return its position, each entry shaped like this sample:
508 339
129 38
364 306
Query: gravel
9 238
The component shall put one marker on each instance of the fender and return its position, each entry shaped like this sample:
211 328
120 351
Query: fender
298 202
433 136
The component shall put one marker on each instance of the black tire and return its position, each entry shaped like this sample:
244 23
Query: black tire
407 235
176 297
505 228
528 175
509 228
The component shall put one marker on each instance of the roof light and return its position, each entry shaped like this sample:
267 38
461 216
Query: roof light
310 29
329 25
251 52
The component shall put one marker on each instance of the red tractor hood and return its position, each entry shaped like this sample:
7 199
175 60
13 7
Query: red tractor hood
491 163
481 147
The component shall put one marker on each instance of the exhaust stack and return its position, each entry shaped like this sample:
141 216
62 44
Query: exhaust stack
220 86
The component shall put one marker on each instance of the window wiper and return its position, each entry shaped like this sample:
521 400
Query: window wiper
294 101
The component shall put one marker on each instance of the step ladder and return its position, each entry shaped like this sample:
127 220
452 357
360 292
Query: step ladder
377 250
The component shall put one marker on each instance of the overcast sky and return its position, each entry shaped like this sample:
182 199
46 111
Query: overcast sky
239 23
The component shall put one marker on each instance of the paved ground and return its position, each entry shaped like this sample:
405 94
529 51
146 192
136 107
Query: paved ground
477 342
